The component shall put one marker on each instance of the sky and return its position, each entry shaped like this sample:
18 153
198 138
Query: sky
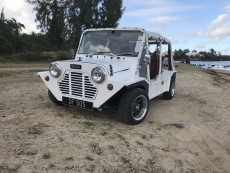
196 24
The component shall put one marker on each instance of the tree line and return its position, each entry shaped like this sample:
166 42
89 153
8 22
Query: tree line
61 24
210 54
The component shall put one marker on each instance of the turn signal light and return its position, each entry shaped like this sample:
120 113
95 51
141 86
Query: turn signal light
110 86
47 78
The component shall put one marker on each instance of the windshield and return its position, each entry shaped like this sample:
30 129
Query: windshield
121 43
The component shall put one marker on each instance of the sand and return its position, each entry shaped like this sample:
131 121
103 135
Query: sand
190 133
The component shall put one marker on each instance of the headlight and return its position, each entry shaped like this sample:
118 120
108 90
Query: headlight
55 70
98 74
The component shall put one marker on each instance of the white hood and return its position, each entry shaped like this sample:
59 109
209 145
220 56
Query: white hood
116 64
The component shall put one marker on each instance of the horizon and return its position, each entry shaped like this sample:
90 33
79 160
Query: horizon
189 25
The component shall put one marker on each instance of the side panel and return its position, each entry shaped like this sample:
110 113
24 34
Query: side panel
160 85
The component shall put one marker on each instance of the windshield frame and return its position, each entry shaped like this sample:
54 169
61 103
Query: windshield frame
110 53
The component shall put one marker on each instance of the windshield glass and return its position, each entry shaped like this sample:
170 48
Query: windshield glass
122 43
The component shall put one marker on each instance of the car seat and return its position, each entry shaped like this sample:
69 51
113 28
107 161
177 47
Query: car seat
154 67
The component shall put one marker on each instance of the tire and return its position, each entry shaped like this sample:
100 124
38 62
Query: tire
134 106
168 95
53 99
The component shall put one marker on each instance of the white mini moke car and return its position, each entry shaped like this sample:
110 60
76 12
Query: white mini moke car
125 67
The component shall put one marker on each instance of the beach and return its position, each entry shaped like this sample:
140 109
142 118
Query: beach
190 133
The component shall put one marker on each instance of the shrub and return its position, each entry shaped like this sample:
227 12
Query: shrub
6 46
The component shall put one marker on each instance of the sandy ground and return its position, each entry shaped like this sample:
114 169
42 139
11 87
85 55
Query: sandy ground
190 133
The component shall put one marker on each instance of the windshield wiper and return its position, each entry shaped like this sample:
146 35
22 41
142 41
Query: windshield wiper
126 54
101 52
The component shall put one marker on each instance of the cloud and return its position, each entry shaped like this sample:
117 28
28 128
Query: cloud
200 46
21 11
168 19
148 3
159 10
225 51
219 20
227 7
218 29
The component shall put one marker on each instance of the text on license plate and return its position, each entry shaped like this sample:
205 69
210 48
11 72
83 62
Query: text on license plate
77 103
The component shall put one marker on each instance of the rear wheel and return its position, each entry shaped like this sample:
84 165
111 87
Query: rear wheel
170 94
53 99
134 106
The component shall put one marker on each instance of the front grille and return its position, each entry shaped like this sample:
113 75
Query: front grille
78 85
89 89
64 84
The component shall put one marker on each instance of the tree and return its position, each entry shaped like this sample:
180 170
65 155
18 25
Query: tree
10 31
50 16
6 46
14 26
65 20
181 54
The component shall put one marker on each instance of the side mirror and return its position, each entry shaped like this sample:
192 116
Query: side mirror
147 59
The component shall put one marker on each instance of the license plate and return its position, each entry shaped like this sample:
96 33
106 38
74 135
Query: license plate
77 103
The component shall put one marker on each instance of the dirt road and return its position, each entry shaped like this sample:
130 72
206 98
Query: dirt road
190 133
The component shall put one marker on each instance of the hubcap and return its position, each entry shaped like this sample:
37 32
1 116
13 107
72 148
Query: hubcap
139 107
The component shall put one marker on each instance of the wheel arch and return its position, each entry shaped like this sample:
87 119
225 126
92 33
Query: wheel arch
174 75
141 84
116 97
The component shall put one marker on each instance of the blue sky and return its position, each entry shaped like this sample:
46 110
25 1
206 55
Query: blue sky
197 24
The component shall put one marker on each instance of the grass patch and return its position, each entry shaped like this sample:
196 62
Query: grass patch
152 166
6 169
89 158
111 147
139 143
4 73
46 156
103 132
120 136
143 136
60 139
28 153
107 125
95 148
89 123
69 159
91 168
32 153
177 125
37 129
59 115
52 165
69 167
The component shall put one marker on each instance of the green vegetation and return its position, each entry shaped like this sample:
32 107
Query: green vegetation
211 55
61 24
46 156
95 148
89 158
89 124
35 130
64 21
69 159
7 169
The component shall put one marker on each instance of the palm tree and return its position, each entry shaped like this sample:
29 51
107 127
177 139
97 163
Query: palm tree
15 27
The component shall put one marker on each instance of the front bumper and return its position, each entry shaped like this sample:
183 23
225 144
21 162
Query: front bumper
78 85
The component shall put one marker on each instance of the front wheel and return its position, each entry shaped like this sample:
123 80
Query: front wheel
168 95
134 106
